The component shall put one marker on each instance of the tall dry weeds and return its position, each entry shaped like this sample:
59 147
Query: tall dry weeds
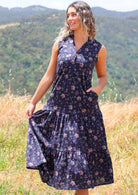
121 123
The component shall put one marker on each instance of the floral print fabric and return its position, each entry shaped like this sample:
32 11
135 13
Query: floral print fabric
66 139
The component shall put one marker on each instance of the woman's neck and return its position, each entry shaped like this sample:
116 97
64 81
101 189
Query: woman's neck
80 36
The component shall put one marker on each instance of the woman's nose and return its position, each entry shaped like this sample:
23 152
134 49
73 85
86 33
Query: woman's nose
70 17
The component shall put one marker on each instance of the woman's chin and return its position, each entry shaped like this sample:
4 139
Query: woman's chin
73 28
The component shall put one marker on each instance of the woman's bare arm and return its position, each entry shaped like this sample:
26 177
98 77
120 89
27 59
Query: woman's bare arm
101 71
45 82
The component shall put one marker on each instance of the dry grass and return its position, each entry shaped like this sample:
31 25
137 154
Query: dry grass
115 113
121 122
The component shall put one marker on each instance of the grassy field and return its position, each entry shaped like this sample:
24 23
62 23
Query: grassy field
121 122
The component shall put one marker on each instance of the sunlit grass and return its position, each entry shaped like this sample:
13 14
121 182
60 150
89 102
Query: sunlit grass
121 122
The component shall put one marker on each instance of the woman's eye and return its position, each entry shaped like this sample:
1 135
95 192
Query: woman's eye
74 14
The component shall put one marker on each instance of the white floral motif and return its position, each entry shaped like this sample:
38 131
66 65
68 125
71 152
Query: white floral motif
57 113
62 184
96 173
78 98
58 88
86 118
90 72
51 125
68 55
56 173
90 130
88 182
66 76
85 138
73 87
64 46
79 79
102 179
65 135
67 176
61 62
81 127
83 110
55 107
72 162
69 155
93 118
71 41
78 152
104 147
81 172
101 128
85 162
58 145
29 129
46 143
33 123
63 95
72 183
81 65
69 148
101 160
76 135
71 128
70 107
63 164
91 59
110 171
90 99
53 133
107 151
95 138
30 147
30 164
90 150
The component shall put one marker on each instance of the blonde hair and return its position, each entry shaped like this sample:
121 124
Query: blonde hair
85 14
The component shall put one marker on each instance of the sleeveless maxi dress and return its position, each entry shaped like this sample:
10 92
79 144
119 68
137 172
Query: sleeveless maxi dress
66 139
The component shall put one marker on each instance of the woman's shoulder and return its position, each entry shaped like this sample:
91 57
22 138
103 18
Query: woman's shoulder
96 42
96 45
63 42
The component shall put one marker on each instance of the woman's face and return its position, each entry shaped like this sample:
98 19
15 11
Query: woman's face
72 19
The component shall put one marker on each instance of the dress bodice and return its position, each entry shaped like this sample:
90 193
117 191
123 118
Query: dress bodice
74 74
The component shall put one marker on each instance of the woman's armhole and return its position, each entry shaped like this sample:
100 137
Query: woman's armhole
102 54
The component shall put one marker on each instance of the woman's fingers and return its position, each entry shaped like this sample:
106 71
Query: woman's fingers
30 110
92 89
88 90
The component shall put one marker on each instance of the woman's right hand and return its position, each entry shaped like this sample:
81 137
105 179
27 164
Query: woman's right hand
30 110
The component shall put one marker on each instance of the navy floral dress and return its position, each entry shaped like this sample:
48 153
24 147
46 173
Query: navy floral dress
66 139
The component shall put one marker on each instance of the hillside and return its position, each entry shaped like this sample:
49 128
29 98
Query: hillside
25 51
115 14
17 13
121 130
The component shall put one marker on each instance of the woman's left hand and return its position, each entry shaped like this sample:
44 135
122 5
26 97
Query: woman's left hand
95 89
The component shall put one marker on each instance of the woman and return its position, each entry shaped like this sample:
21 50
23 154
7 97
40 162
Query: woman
66 139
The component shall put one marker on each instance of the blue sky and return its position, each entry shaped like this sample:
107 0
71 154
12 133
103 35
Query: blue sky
117 5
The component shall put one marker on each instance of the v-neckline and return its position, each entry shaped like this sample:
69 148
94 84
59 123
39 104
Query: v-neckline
81 46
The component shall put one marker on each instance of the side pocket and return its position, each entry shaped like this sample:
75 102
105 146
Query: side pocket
91 98
92 94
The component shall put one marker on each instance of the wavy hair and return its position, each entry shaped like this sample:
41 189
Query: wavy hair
85 14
